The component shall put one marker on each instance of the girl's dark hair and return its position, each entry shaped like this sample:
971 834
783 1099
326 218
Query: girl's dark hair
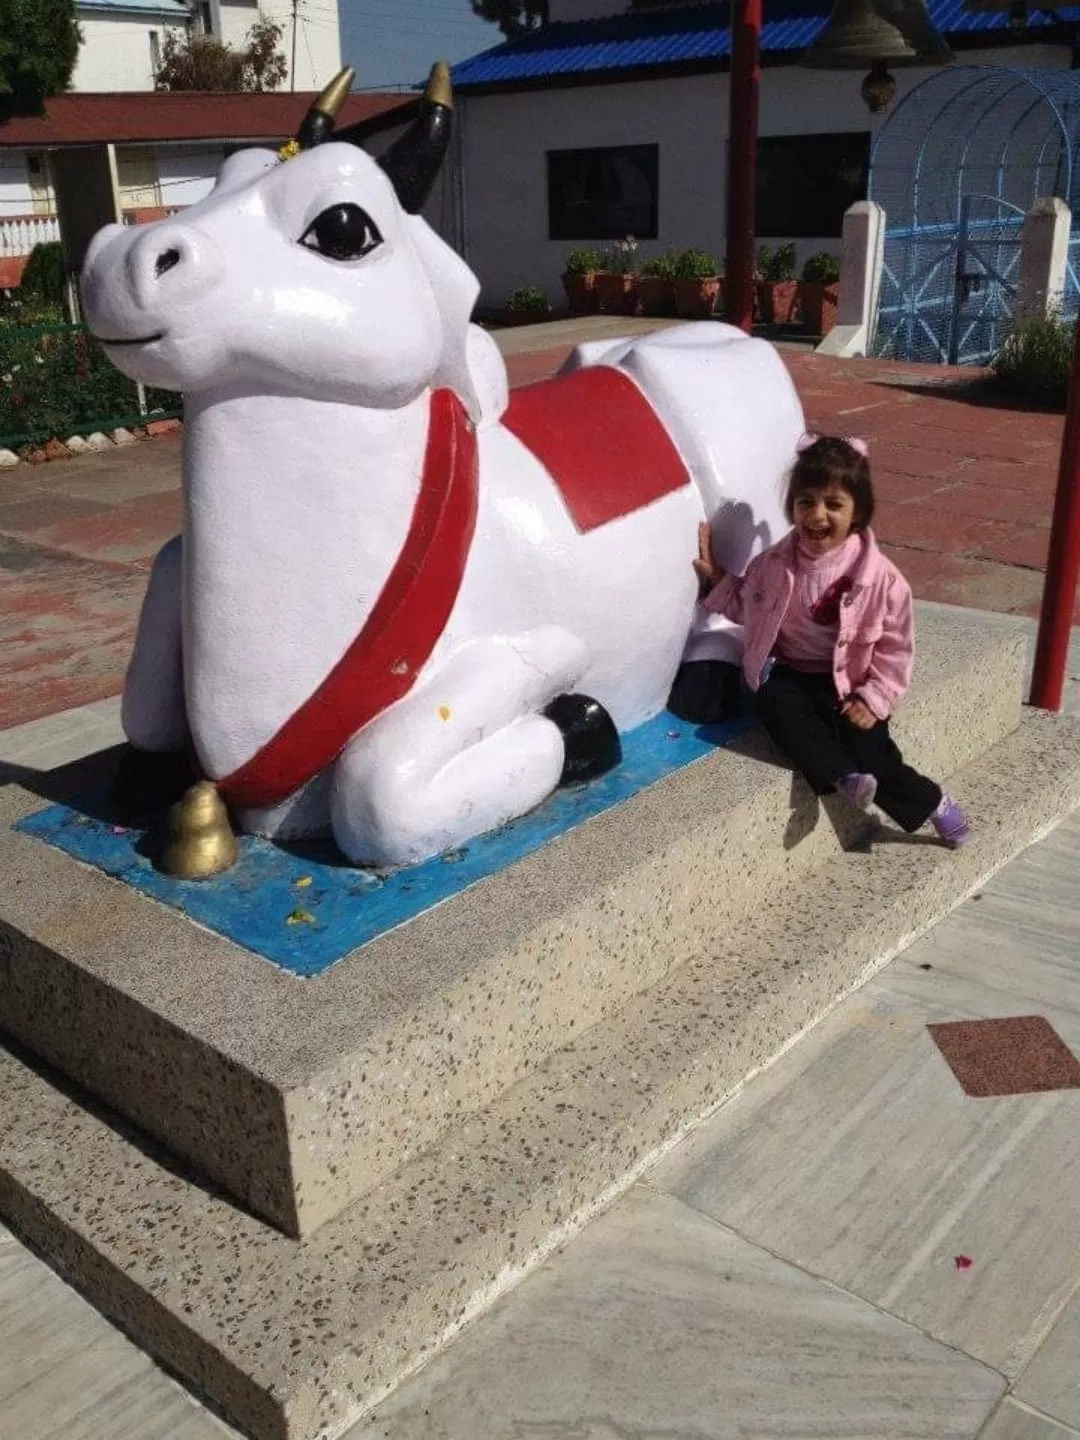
832 461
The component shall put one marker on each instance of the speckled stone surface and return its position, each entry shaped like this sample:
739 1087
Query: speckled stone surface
297 1096
296 1339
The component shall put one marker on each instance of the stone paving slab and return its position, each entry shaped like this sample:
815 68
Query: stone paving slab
966 490
655 1322
1052 1380
1017 1422
912 1172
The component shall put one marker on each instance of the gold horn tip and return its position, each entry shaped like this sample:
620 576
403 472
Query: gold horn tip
333 97
439 90
201 841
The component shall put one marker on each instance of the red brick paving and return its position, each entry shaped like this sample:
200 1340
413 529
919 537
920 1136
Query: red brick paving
965 490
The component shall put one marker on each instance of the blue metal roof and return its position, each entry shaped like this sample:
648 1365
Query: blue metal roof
666 37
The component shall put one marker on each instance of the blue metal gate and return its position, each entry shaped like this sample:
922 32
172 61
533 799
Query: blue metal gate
956 168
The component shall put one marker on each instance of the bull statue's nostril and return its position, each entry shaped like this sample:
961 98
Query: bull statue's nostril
165 261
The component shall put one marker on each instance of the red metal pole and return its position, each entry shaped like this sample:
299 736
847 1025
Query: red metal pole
1063 563
742 160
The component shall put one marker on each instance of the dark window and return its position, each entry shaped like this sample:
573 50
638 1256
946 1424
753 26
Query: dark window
806 182
604 194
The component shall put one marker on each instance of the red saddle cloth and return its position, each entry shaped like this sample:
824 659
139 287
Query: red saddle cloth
601 442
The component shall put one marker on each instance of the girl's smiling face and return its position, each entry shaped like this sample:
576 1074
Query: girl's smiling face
823 518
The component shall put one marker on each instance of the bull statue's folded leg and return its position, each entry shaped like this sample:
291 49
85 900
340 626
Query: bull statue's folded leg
468 750
154 768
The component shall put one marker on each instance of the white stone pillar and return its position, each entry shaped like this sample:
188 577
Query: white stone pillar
1044 256
862 251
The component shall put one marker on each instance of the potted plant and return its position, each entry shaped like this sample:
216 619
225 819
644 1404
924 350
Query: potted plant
775 285
579 279
655 285
616 281
819 293
697 284
527 305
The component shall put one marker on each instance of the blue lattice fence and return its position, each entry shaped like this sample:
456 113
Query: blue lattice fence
956 169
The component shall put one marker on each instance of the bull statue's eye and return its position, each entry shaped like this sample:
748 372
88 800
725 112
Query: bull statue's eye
342 232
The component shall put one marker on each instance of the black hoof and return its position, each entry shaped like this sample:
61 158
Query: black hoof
592 742
146 781
705 692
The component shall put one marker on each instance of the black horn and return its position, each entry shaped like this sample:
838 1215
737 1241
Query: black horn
413 161
318 123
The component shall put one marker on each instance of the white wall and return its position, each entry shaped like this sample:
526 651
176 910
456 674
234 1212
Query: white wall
185 174
14 184
318 39
115 53
507 137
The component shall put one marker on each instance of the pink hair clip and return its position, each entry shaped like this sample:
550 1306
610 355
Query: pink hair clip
859 446
805 441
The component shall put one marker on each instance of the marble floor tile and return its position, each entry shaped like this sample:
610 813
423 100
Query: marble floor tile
859 1157
654 1322
1016 1422
1052 1381
67 1374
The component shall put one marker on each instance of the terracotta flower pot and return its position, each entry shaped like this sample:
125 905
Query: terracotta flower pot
819 303
616 294
656 295
697 299
778 301
581 292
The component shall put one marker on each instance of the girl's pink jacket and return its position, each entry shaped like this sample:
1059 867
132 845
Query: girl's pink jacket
875 647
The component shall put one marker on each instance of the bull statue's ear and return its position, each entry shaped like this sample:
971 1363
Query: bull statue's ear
456 289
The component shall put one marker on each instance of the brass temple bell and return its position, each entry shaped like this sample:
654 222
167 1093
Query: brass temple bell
201 840
861 32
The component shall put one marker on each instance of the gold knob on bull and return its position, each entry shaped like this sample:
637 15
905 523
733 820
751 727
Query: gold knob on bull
201 840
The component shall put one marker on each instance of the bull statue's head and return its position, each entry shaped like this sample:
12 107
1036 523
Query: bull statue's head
315 277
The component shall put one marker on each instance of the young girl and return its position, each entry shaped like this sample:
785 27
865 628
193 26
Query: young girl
829 638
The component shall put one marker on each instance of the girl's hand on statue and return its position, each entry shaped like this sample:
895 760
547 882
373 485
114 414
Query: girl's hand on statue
708 571
859 713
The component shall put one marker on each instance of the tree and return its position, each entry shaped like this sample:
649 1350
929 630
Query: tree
199 62
39 44
513 17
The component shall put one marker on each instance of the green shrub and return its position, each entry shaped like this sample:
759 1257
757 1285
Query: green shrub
56 381
776 265
695 264
661 267
528 297
1035 359
45 277
821 269
584 262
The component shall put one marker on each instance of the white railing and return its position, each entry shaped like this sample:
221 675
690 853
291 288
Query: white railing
20 233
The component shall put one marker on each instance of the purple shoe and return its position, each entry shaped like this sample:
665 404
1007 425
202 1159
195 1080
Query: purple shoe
859 789
950 822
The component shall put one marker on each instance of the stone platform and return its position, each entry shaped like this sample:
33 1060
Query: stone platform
567 1019
298 1096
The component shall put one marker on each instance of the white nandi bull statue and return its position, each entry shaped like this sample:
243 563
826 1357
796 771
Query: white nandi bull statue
396 585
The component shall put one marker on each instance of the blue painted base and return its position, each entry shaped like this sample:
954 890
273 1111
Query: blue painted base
304 908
